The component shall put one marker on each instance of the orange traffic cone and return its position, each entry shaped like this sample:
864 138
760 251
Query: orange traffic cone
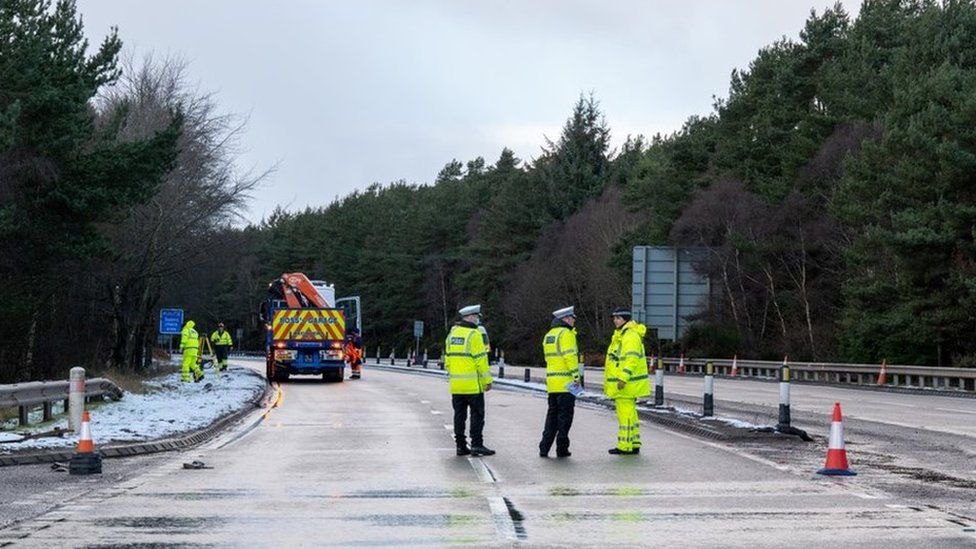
883 375
681 364
85 461
735 365
836 454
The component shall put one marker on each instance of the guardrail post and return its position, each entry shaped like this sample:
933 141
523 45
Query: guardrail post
23 416
784 398
659 383
528 375
48 411
393 357
501 371
425 358
378 355
76 398
708 404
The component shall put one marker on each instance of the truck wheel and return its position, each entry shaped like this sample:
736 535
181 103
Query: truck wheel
336 375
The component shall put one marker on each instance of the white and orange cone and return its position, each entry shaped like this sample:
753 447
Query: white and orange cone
735 366
85 461
681 364
836 453
883 375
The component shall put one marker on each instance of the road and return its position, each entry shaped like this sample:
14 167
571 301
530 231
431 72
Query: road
372 463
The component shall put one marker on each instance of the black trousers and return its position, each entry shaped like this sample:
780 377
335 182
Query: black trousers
461 404
559 418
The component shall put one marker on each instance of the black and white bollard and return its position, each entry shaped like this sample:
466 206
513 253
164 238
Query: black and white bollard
425 358
501 371
76 398
393 358
378 355
528 375
784 426
708 404
784 398
659 383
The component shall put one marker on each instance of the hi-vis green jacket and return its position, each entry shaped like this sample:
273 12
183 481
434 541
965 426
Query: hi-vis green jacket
221 338
626 362
559 346
189 338
466 360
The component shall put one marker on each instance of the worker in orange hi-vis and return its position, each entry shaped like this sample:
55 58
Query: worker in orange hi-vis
354 353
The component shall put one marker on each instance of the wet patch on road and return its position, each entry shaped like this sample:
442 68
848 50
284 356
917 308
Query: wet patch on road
160 525
148 545
199 496
419 493
449 520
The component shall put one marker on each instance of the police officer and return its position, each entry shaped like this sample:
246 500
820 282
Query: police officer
466 362
190 345
222 344
562 371
625 378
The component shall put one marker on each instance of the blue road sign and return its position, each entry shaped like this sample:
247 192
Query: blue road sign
170 321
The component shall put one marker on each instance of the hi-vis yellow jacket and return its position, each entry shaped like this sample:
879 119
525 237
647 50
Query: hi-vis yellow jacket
221 338
466 360
189 338
559 346
626 362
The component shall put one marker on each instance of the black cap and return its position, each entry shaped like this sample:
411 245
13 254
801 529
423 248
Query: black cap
623 312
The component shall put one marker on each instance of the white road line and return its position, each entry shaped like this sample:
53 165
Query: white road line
899 404
731 450
425 402
436 412
484 475
957 411
449 427
503 521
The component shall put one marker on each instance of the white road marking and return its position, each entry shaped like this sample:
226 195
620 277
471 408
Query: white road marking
899 404
503 521
957 411
731 450
436 412
449 427
425 402
484 475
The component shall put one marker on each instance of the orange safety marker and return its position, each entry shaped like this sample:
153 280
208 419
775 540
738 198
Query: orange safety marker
85 461
735 366
836 453
883 375
681 364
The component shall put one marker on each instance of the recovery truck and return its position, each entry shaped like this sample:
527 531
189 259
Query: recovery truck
305 326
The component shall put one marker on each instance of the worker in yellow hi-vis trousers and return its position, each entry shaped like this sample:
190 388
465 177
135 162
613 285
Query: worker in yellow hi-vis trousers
190 345
626 380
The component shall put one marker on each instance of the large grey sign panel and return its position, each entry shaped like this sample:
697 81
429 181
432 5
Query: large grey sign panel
666 288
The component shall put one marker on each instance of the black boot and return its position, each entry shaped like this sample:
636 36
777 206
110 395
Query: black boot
619 452
463 451
481 451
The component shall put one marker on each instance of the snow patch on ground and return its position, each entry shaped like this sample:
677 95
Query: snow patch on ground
168 407
737 423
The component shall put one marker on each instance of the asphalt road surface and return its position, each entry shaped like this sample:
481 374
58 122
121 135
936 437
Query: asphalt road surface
371 462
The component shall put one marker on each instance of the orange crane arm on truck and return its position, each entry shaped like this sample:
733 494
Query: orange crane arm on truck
297 290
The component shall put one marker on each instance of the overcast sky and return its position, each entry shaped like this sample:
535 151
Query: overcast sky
344 94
